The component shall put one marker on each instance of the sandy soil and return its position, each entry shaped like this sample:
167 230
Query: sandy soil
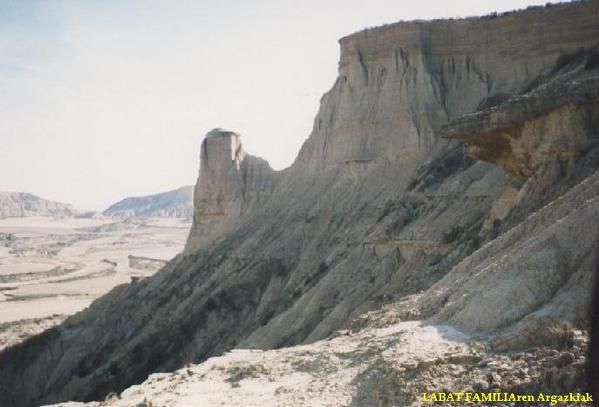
50 268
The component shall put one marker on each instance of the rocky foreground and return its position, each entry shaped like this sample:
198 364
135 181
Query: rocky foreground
381 362
451 172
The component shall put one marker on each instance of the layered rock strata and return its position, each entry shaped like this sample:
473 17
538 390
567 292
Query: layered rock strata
374 209
556 120
398 83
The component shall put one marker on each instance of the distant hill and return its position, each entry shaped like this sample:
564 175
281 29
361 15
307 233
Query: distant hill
406 206
172 204
21 204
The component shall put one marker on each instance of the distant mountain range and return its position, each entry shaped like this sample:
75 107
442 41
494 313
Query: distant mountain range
21 204
173 204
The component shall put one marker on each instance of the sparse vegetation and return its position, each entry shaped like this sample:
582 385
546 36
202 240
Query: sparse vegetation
592 60
241 372
452 234
566 59
442 166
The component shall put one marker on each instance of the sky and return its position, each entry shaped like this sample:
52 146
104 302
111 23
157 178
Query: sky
105 99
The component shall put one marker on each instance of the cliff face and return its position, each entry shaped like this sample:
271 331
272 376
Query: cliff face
397 84
533 279
375 208
230 184
171 204
556 120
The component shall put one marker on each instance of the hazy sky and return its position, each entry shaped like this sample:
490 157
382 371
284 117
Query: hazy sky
103 99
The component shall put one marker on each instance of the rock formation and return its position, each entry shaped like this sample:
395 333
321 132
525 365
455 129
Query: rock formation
21 204
546 136
556 120
231 183
172 204
376 208
398 83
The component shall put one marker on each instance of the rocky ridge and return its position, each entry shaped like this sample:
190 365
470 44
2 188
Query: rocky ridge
172 204
230 184
376 209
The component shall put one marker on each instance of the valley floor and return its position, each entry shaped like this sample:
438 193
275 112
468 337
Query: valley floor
52 268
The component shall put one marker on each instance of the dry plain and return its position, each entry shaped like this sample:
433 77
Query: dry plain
52 268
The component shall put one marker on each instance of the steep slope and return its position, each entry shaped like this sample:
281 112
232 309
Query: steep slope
172 204
375 208
20 204
534 278
529 281
525 295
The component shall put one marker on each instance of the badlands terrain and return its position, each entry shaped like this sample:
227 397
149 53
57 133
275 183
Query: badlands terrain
19 204
435 232
54 267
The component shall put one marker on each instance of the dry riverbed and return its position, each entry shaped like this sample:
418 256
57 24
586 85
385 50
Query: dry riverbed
52 268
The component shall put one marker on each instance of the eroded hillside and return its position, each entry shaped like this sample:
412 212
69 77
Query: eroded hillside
376 208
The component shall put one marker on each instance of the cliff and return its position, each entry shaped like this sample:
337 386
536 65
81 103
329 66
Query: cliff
533 279
20 204
397 84
230 184
172 204
375 209
556 119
